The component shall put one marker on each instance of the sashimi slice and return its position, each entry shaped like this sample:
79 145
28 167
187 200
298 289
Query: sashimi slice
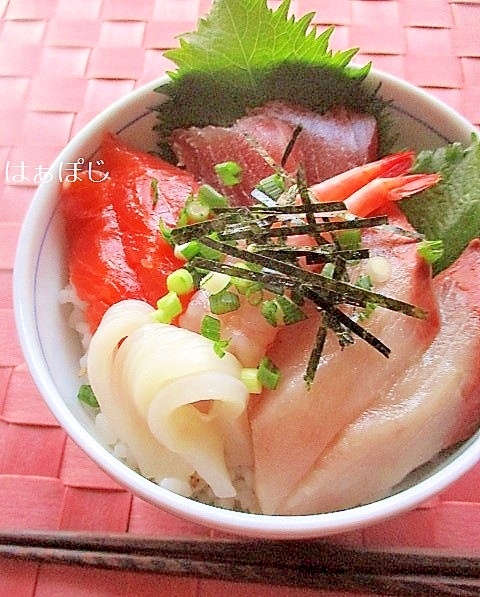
248 332
200 149
98 268
435 405
115 248
147 189
327 145
134 171
292 425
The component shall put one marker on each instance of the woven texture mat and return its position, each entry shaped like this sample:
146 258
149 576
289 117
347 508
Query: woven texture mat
63 61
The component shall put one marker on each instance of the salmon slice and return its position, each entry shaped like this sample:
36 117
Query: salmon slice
97 264
115 248
292 425
140 207
328 144
133 171
433 406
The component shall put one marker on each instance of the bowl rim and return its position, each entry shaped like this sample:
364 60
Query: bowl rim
254 525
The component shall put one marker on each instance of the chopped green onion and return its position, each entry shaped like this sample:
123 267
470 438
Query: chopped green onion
223 302
262 198
154 190
328 270
366 311
180 281
182 218
364 282
168 307
273 185
229 173
188 250
254 293
290 311
197 211
165 231
195 248
349 239
210 328
251 289
210 197
241 284
210 253
249 376
215 282
220 346
269 310
268 374
430 250
86 395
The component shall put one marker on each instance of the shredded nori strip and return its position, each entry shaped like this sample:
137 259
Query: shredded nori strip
339 291
340 271
238 224
264 229
322 227
270 280
316 229
183 234
316 353
360 331
322 254
341 318
315 208
290 145
413 234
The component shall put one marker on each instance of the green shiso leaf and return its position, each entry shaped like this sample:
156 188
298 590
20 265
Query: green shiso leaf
449 211
244 54
242 35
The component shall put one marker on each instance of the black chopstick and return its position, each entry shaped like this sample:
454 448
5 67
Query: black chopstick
316 564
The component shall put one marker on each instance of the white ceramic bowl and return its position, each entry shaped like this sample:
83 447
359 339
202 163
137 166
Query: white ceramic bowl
52 349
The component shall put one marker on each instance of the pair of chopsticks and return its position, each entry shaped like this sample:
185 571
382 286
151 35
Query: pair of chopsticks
309 563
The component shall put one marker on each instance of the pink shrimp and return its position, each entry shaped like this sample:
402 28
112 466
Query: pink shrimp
380 191
341 186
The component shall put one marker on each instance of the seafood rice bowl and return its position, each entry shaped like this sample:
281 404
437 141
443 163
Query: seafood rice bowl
251 322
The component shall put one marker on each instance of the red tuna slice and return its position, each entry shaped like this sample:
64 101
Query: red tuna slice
328 144
116 249
200 149
292 425
432 407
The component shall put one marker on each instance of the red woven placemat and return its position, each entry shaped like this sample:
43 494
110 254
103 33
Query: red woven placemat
61 62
